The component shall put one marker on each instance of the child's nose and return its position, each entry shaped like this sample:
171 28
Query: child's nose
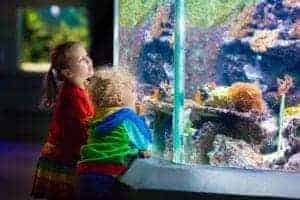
91 69
89 61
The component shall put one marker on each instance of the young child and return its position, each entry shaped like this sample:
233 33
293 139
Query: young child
117 135
65 92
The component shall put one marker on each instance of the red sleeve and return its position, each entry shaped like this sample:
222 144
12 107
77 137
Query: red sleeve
68 127
80 109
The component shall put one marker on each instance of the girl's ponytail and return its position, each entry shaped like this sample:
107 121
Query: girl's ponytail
51 89
50 82
59 61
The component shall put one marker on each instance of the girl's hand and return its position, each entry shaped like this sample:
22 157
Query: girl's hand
48 149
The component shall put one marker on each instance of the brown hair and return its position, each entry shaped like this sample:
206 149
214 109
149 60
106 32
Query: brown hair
61 57
110 87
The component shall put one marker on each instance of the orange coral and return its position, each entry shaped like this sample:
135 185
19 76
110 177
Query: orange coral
246 97
240 28
284 85
263 40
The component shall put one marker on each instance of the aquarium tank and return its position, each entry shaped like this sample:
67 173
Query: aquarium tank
219 79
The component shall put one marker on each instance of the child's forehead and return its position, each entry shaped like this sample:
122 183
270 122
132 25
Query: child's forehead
76 51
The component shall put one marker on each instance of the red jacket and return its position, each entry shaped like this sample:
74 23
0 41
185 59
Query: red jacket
68 126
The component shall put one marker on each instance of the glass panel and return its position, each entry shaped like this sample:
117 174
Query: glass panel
146 45
242 78
243 83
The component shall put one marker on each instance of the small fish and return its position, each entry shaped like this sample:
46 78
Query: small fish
169 71
252 73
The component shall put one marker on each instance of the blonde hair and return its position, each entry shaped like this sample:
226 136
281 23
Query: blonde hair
112 86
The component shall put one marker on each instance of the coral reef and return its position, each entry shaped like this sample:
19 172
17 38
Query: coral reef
146 31
234 126
219 98
274 15
205 135
263 40
292 111
269 50
250 127
293 163
229 152
155 62
240 28
203 141
291 134
270 128
284 85
295 30
243 97
291 3
202 46
292 99
246 97
228 138
289 143
253 129
162 17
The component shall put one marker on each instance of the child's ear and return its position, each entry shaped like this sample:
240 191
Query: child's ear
67 73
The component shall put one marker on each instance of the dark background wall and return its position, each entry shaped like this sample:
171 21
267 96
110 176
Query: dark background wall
20 91
8 36
101 27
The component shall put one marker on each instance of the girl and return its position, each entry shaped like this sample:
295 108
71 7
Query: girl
65 92
117 135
